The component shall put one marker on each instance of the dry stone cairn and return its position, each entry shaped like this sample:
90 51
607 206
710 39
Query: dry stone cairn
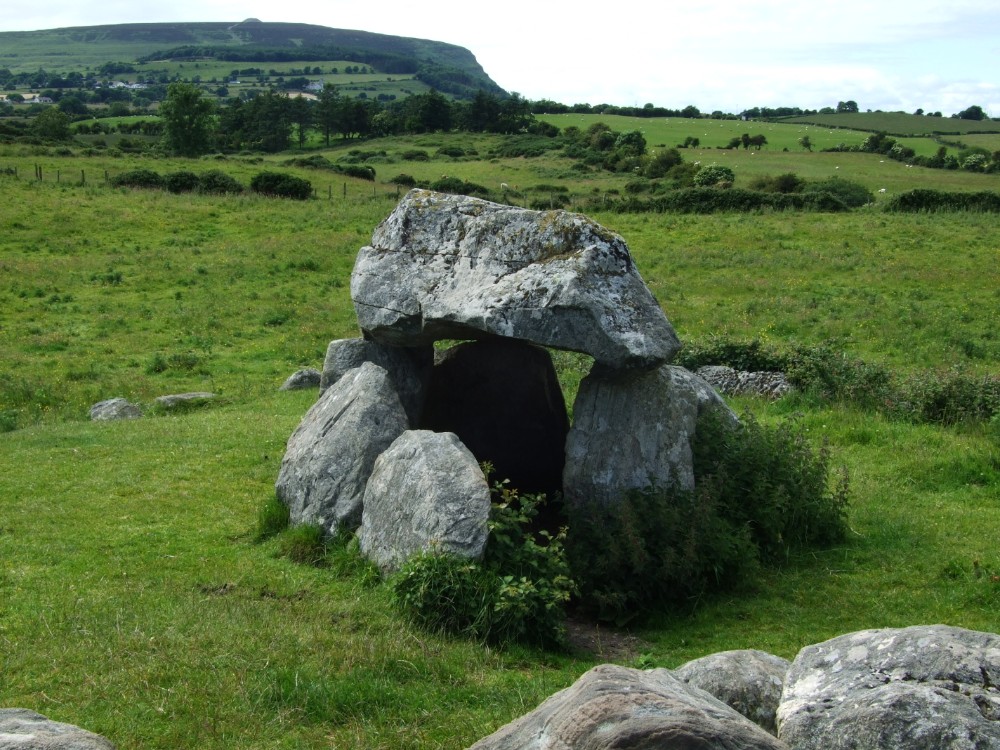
509 284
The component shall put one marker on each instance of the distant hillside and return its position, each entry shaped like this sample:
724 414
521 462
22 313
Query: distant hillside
446 67
898 123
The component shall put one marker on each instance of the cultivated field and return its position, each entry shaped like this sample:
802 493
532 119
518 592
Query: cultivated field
134 599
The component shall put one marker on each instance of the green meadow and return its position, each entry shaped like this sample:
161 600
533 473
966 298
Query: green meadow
135 597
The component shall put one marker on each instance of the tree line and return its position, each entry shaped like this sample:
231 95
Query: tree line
272 121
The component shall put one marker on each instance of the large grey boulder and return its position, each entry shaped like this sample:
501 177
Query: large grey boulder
409 368
447 266
616 707
23 729
330 456
747 680
114 408
502 398
632 430
919 688
426 491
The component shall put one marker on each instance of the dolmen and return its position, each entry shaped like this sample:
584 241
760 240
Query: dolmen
504 286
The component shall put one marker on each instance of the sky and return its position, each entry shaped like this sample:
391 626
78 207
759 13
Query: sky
891 55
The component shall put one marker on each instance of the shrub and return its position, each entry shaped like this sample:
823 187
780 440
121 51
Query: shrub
852 194
404 180
217 182
923 199
714 174
415 154
760 494
181 182
517 593
782 183
138 178
948 397
358 171
751 356
833 376
281 185
458 186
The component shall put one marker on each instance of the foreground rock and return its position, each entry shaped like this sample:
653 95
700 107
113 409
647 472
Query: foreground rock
114 408
446 266
21 729
426 491
617 707
748 681
330 456
633 430
919 688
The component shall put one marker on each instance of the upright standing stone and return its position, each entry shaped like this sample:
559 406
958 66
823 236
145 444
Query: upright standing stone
633 430
330 455
409 368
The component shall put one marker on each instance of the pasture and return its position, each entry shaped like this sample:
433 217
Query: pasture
134 597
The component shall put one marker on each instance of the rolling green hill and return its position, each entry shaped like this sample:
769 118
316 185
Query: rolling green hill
446 67
898 123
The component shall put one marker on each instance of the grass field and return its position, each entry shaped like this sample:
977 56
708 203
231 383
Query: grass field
134 600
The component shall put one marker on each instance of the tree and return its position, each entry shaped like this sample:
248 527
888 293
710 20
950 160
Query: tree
848 106
52 124
975 112
630 144
327 113
188 120
269 124
72 105
806 143
300 112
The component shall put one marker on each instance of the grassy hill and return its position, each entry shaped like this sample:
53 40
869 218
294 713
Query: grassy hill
450 68
134 598
899 123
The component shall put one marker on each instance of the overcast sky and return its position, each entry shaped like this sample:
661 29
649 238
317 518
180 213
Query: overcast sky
715 54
